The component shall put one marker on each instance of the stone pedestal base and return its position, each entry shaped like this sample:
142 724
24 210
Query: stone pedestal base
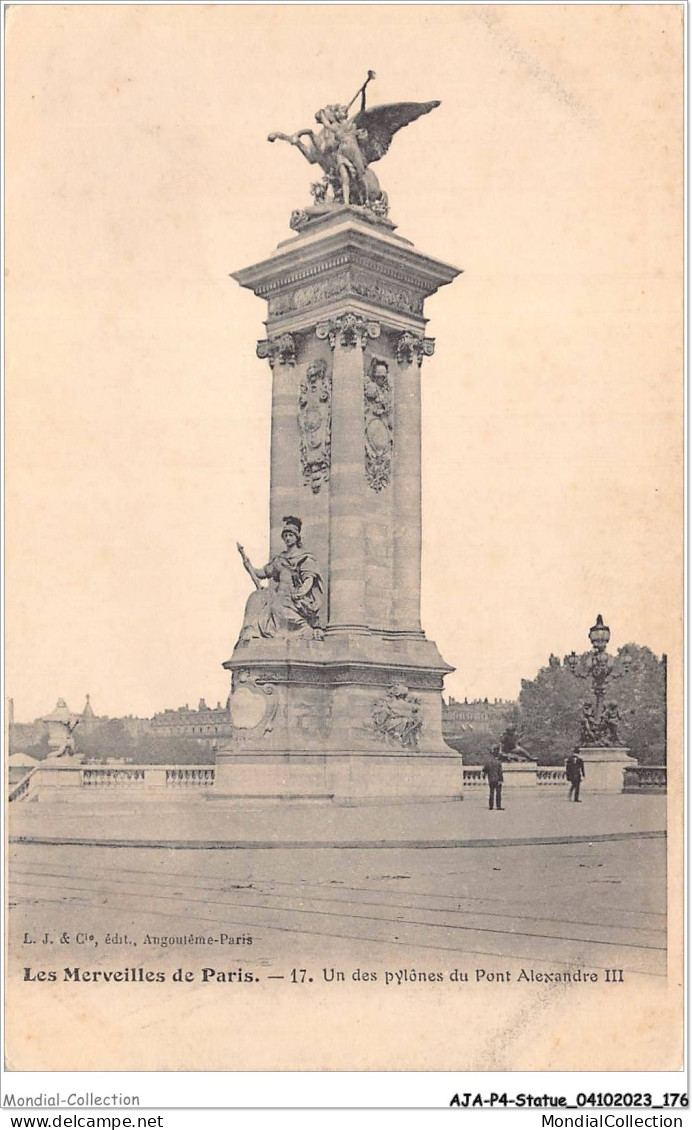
604 767
342 777
318 720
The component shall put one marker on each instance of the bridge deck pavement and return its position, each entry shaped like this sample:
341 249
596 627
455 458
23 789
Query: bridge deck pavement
488 912
598 904
529 817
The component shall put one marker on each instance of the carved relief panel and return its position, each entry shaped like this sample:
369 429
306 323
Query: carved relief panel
253 705
397 717
315 424
379 427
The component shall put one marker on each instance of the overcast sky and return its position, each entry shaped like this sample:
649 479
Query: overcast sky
139 177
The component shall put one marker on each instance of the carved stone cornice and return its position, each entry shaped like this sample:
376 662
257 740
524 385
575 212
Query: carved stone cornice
332 263
281 349
322 674
393 290
388 292
349 330
349 257
410 346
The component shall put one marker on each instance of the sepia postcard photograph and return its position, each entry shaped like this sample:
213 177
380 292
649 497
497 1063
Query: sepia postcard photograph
343 691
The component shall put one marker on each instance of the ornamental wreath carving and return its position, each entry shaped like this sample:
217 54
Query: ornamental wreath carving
377 399
398 717
315 424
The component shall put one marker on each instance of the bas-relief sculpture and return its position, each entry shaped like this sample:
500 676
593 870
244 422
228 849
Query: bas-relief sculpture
378 425
315 423
370 285
397 717
335 622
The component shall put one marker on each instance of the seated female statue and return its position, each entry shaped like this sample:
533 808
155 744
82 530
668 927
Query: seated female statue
290 604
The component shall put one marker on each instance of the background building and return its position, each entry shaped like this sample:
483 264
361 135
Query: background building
171 735
205 724
472 726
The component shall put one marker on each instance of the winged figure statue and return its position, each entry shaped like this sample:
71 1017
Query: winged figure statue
347 145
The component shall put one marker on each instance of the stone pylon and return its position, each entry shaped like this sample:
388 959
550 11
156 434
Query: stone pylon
353 711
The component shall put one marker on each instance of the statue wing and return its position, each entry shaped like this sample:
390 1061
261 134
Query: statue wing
382 122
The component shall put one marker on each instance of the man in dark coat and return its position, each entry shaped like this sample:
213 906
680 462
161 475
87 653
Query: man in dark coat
574 770
492 769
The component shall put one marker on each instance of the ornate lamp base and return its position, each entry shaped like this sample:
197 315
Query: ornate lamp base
605 767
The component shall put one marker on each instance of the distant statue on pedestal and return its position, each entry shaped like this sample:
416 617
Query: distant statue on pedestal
290 605
67 749
61 726
510 749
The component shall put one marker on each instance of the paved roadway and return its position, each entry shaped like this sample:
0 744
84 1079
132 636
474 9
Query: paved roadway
535 815
559 905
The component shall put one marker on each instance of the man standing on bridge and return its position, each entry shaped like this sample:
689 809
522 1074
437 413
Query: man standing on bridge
574 770
492 769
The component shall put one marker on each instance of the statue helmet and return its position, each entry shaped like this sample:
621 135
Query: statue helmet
293 524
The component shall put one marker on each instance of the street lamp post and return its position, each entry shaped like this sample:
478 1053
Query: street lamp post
600 671
599 720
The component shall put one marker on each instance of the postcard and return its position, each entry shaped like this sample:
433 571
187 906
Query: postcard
344 395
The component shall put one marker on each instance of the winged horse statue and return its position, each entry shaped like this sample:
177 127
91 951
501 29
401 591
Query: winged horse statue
346 146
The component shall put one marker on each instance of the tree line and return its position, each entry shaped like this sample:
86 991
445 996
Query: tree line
546 717
547 714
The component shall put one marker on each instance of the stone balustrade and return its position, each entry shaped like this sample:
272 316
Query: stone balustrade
550 776
518 774
21 791
108 777
645 779
191 776
67 781
473 776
